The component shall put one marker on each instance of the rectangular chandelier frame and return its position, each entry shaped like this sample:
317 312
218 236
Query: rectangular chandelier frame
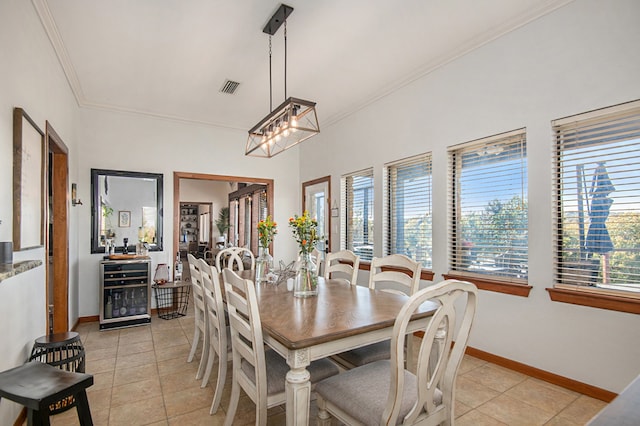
292 122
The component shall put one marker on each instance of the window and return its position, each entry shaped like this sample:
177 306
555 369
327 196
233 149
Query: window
408 208
597 201
357 217
488 208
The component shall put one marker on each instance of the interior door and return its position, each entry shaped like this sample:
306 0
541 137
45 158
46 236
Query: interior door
316 199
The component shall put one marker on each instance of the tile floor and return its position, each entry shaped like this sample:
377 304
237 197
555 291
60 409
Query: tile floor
142 378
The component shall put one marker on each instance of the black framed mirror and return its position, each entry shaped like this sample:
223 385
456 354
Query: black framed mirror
127 205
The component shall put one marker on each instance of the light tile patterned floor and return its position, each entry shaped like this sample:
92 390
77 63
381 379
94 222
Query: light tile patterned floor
142 378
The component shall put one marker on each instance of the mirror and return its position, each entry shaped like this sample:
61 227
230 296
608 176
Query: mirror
125 205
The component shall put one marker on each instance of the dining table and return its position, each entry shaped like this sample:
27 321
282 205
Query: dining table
341 317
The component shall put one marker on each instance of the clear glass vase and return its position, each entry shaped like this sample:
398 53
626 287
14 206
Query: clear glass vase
264 265
306 283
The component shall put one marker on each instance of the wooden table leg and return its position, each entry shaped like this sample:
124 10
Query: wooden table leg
298 388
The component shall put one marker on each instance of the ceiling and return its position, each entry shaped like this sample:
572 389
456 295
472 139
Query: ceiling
170 58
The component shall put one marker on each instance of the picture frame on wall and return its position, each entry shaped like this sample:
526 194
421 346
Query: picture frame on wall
28 182
124 218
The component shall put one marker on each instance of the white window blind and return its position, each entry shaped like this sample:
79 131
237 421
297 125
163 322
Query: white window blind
407 206
488 207
357 216
597 200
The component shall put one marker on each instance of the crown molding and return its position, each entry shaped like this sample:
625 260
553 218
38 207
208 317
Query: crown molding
49 25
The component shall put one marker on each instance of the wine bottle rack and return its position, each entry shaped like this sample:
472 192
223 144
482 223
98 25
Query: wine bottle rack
125 293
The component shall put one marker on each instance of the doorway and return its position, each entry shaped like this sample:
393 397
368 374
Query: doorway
316 199
57 235
177 176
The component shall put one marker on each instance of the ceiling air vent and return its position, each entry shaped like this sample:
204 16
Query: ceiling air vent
230 87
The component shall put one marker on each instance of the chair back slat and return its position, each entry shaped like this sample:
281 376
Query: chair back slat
397 269
233 258
196 282
438 374
246 328
343 264
214 306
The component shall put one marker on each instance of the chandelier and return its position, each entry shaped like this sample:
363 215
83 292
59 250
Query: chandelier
294 120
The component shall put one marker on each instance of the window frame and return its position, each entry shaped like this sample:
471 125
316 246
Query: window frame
346 237
495 283
592 296
392 179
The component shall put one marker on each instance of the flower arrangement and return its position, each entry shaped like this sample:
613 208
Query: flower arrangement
304 231
266 230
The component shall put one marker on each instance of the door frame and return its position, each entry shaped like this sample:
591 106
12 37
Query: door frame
58 268
324 179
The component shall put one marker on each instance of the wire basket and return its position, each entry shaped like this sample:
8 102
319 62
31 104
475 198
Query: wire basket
172 300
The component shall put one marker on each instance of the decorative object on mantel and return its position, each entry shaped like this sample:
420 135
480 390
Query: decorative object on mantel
264 263
28 182
293 121
304 230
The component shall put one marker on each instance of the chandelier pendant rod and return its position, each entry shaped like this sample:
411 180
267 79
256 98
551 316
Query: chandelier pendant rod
270 79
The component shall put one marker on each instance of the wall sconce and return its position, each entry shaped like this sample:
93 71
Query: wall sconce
74 195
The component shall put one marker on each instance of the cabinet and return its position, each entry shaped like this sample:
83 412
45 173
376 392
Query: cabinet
125 293
189 227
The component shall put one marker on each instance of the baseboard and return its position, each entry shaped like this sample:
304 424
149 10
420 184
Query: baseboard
92 318
574 385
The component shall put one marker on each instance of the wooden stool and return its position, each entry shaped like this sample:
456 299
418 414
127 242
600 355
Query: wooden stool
36 385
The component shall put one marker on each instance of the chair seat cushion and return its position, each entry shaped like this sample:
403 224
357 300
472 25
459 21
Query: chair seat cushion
277 369
363 392
367 354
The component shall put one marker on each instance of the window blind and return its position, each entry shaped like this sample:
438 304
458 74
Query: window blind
488 207
357 216
597 199
407 204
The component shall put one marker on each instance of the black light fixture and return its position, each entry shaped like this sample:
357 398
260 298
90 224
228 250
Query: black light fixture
293 121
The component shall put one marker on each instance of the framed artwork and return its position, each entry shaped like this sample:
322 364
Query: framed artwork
124 218
28 182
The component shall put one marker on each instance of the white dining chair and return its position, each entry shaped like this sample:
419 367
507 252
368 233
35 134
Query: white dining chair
200 320
233 258
398 274
343 265
261 374
384 392
318 259
219 333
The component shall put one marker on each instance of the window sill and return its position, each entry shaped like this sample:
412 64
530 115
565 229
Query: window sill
425 274
595 300
488 284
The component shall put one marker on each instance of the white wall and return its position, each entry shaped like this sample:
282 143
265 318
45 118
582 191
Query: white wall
582 57
31 78
144 144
